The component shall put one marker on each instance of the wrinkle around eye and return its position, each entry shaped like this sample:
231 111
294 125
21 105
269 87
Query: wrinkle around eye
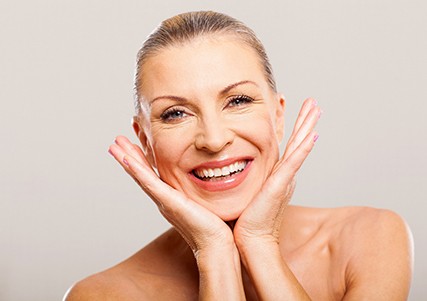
246 106
159 124
173 114
165 108
239 100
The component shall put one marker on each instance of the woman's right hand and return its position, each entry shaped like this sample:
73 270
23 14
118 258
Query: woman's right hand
209 237
200 228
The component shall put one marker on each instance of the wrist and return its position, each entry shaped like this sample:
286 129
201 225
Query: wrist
220 273
245 243
214 257
258 249
263 261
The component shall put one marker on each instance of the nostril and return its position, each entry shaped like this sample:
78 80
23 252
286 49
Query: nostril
214 140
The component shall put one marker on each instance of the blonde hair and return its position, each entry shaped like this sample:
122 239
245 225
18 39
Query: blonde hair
185 27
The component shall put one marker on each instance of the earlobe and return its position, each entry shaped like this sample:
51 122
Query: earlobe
280 117
142 136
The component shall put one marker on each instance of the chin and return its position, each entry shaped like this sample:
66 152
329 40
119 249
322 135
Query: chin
228 205
227 217
228 214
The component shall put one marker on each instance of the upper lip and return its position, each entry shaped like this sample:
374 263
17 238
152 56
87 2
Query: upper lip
221 163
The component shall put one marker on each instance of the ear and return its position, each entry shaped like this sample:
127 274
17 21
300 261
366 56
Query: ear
140 132
280 116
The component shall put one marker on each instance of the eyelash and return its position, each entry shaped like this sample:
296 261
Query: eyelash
234 101
168 114
242 99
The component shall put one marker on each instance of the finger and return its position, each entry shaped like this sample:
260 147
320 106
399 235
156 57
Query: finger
143 175
308 104
297 157
173 205
292 148
130 148
139 150
118 154
305 128
141 170
150 182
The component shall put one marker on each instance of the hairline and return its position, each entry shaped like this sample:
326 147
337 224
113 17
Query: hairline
180 43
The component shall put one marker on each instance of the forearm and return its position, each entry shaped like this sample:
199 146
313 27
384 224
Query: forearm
269 273
220 274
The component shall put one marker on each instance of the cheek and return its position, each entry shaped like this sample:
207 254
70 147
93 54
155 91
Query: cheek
169 147
260 129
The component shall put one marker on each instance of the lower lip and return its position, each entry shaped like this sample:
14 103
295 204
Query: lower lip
222 184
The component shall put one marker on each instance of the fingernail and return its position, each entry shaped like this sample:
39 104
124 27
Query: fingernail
320 113
315 137
314 103
125 162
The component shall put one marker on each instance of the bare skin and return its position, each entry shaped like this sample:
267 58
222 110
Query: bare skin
318 245
234 236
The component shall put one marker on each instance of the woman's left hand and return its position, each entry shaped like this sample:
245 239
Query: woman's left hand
262 219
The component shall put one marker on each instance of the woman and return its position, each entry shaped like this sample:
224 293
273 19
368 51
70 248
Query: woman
209 121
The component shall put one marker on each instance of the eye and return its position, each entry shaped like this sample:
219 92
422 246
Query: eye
239 100
173 114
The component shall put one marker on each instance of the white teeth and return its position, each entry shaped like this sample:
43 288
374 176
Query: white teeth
225 171
221 172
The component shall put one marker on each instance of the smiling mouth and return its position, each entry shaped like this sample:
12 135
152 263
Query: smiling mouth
218 174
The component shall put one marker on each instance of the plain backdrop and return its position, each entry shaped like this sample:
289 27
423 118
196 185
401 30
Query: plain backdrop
66 70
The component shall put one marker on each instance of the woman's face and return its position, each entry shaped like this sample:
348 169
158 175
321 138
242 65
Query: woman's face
211 124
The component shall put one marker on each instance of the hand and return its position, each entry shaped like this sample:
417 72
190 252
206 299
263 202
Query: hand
200 228
262 218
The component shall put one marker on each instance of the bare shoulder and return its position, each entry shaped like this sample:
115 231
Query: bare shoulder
104 286
371 230
355 228
358 223
153 271
371 250
379 248
367 231
353 220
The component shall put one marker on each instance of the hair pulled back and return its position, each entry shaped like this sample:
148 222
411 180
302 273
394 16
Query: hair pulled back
183 28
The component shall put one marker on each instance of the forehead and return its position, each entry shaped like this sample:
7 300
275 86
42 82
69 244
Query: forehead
206 64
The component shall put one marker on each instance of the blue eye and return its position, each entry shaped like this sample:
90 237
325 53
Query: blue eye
239 100
173 114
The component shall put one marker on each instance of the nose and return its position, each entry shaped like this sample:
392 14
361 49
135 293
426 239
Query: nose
213 135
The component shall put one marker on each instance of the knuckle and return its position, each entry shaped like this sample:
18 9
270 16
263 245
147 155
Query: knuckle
306 150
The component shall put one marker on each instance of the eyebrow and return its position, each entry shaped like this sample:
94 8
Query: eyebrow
222 92
232 86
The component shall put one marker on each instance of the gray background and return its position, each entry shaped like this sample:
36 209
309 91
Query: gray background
66 69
